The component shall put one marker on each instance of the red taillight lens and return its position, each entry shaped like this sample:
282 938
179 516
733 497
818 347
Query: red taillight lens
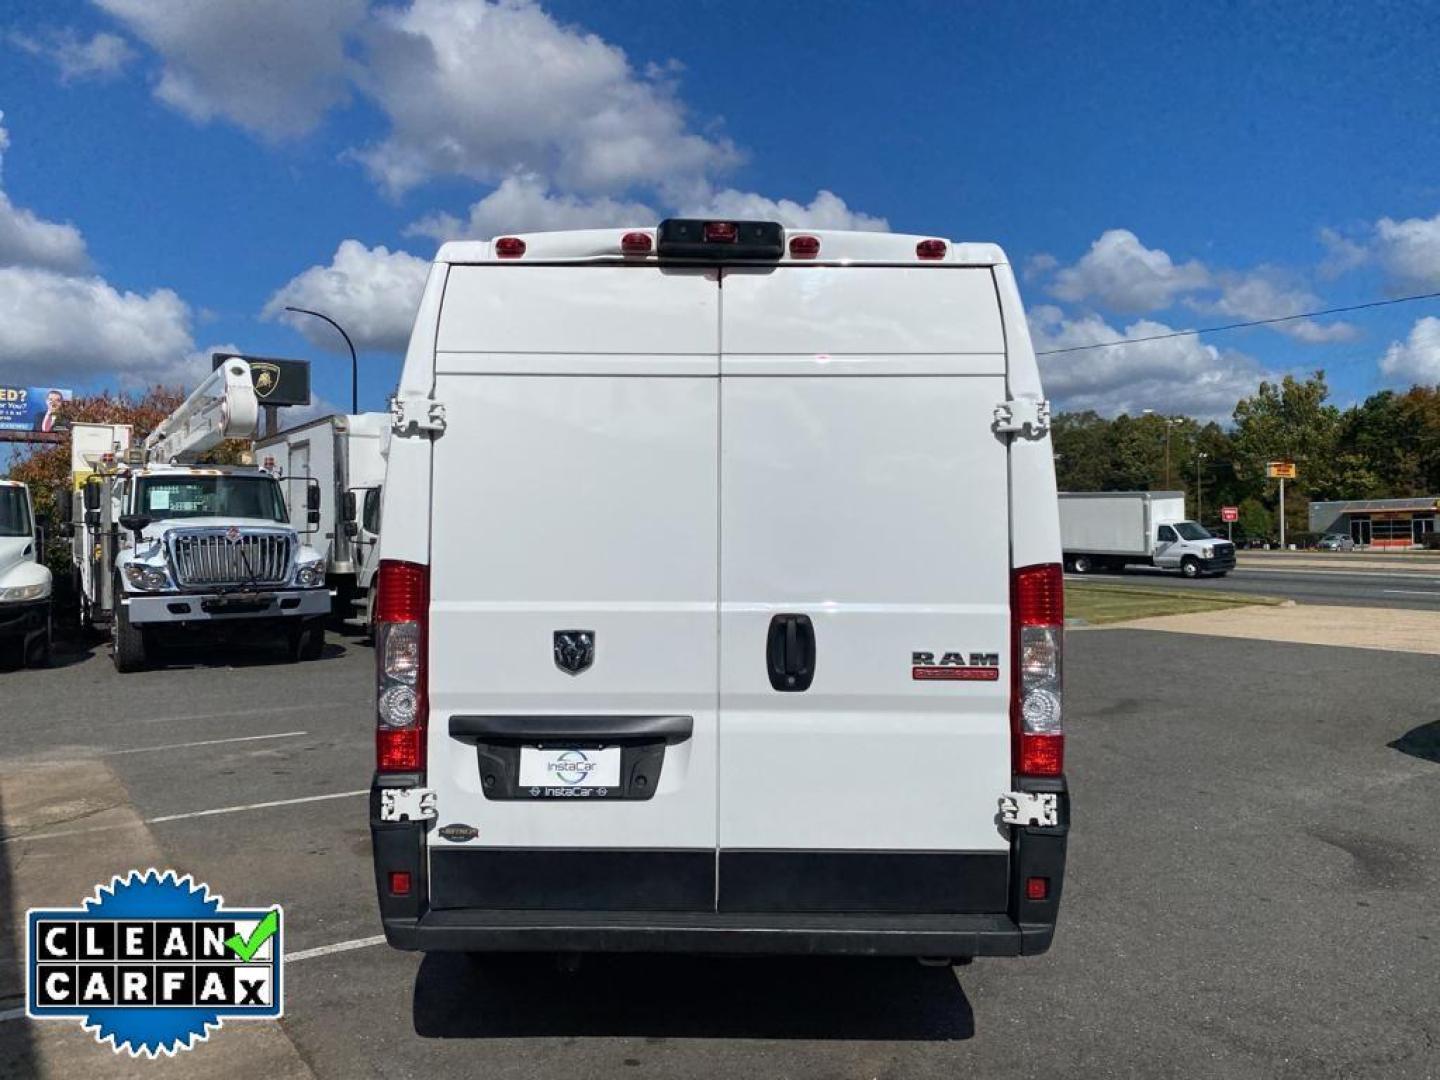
636 243
1036 888
804 247
400 882
930 249
1037 611
721 232
402 617
509 247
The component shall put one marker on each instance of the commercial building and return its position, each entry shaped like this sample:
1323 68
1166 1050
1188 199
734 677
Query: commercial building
1378 523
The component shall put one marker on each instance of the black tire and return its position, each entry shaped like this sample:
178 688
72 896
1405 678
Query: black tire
41 650
313 645
1190 567
127 641
1081 564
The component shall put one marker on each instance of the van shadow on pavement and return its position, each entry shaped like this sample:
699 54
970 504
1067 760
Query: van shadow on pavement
1422 742
460 997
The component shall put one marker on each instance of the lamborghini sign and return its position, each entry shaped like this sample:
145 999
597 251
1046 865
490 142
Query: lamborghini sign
277 382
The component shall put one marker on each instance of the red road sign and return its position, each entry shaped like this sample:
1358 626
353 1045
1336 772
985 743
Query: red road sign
1229 513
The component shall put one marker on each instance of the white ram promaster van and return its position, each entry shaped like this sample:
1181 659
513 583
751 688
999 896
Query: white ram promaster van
746 633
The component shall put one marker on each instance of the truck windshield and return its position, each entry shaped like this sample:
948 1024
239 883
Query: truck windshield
256 497
1188 530
14 512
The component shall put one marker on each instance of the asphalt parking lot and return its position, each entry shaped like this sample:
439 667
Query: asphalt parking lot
1251 888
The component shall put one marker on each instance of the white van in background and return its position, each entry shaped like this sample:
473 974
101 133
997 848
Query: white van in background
720 601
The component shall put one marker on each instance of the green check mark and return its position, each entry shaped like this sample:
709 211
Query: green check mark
246 948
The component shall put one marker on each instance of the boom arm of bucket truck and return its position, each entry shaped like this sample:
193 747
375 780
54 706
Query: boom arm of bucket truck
222 407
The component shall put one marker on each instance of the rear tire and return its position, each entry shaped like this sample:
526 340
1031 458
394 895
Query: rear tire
127 642
41 650
1189 567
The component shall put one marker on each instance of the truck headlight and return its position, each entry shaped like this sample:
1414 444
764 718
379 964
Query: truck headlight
310 575
16 593
146 578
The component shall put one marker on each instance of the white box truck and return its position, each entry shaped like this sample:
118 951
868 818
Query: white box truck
720 602
25 611
345 457
1110 530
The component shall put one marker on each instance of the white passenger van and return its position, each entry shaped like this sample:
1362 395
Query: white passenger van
720 601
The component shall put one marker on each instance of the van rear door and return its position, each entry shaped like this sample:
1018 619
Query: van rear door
573 630
864 591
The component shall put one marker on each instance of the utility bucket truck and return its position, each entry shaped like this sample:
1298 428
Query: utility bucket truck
164 544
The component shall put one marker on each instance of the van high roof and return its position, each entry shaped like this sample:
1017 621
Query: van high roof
647 243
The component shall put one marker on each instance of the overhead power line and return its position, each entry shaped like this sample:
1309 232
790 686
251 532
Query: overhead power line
1242 325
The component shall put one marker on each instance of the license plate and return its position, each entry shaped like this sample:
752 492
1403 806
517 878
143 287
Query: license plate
569 768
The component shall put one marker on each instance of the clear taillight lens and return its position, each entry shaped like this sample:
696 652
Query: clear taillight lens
401 614
1038 610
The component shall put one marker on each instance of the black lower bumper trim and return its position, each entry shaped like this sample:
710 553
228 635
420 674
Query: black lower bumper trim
588 931
899 882
591 879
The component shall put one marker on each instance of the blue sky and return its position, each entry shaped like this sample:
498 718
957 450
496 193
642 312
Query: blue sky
174 168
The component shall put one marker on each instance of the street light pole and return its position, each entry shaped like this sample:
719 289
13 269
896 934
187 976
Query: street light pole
354 364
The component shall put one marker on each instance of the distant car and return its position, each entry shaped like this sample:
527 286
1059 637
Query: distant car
1336 542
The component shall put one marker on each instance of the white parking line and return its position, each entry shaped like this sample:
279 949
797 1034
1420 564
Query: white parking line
271 710
290 958
206 742
183 817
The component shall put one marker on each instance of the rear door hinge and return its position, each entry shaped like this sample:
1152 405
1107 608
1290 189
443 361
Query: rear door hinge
1029 808
415 414
407 804
1029 418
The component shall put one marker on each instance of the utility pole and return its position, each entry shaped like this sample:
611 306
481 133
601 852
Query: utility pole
354 364
1282 513
1170 421
1199 490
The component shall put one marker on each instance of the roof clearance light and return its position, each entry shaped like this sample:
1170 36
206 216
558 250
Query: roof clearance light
509 247
636 243
721 232
804 247
930 249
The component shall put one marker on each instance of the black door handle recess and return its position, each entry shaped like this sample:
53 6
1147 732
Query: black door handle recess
790 653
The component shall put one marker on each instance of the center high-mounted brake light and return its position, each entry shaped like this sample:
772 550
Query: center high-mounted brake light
721 232
1037 611
930 249
402 615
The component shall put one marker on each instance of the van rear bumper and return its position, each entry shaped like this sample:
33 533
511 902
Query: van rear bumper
467 930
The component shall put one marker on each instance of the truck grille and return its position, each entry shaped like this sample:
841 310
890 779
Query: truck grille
230 556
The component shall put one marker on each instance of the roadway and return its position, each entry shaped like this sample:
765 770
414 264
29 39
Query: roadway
1348 579
1248 895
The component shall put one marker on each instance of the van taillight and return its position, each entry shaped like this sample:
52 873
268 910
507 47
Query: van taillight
1037 611
509 247
804 247
402 614
636 243
930 249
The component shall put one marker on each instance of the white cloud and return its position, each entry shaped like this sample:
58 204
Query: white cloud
1417 358
56 326
1410 251
1342 254
825 211
102 56
483 90
523 203
27 240
1039 265
1122 274
274 67
1264 294
371 292
1177 375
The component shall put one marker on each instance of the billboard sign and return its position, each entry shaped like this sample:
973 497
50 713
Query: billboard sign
1280 470
34 408
276 381
1229 513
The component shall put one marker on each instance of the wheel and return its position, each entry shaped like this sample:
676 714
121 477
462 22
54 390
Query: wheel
313 646
40 651
127 641
1081 564
1189 567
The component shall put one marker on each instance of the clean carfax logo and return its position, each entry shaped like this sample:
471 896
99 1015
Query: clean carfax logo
152 962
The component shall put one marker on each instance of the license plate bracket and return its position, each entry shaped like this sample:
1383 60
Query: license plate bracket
597 771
